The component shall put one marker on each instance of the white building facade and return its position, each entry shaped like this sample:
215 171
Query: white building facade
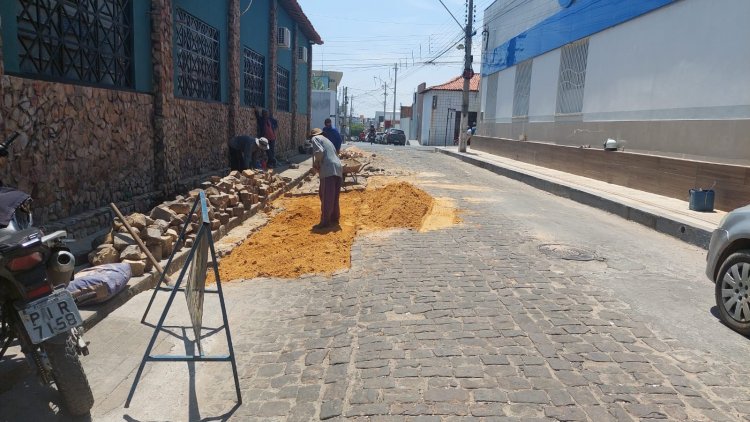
324 106
668 77
437 122
389 116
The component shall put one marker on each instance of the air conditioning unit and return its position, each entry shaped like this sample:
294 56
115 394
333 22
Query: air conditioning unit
284 37
302 54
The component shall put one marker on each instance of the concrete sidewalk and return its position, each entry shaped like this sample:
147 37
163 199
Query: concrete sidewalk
663 214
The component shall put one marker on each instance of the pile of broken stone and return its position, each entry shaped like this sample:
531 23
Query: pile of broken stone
231 199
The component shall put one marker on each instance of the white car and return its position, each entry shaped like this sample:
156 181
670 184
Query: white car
728 266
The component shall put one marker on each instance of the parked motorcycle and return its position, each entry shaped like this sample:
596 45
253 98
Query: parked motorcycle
35 307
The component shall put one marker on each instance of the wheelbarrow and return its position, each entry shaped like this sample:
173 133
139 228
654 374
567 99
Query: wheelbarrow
351 167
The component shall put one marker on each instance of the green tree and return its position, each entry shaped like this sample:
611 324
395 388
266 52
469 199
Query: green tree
356 129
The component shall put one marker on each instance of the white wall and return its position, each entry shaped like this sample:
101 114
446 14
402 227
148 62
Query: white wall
487 81
433 124
543 95
323 106
406 126
689 60
506 81
443 121
426 118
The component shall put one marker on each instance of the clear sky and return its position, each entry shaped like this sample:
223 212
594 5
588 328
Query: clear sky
364 39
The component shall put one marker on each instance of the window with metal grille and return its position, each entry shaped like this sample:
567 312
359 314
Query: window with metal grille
87 40
197 52
282 89
522 89
490 108
572 77
254 70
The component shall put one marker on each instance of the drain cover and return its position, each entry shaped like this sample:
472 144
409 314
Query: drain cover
571 253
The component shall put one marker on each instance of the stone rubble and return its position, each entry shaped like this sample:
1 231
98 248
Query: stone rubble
236 196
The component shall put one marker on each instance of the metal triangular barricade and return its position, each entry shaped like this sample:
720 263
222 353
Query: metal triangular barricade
193 275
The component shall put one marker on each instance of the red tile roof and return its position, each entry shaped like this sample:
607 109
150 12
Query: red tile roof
457 84
295 11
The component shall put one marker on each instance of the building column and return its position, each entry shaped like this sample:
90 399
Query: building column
2 74
272 57
294 93
233 23
165 151
2 62
309 89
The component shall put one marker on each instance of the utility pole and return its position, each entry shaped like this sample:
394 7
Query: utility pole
343 115
385 100
395 81
468 74
351 110
338 108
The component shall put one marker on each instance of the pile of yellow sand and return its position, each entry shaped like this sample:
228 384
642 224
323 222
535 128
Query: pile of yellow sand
287 247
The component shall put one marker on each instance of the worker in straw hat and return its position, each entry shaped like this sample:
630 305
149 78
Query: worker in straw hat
326 162
246 152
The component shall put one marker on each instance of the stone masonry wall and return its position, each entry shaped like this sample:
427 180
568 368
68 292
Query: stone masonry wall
84 147
284 133
234 64
202 136
246 123
301 131
285 145
80 147
165 132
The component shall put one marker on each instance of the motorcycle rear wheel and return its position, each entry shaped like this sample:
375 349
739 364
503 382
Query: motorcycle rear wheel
69 376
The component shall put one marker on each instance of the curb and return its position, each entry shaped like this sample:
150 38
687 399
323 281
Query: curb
685 231
95 314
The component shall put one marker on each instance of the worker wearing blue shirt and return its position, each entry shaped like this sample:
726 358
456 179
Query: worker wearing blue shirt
332 134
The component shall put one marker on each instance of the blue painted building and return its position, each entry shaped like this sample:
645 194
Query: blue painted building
663 77
119 55
151 90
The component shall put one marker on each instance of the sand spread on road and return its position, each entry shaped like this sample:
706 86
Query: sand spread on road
287 247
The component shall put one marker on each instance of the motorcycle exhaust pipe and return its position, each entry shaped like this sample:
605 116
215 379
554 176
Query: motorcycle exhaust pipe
60 267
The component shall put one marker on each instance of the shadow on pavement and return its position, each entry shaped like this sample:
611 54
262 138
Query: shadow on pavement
223 417
24 398
715 312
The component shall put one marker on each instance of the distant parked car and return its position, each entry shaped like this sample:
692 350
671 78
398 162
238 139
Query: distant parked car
728 266
395 137
379 138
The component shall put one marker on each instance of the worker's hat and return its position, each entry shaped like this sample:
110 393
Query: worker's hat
316 131
262 143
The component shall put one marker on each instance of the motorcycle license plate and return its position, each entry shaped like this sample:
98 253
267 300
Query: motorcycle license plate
50 316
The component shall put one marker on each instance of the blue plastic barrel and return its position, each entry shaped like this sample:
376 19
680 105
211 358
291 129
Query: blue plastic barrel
701 200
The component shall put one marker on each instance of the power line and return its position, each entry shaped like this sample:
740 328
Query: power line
385 22
338 54
451 13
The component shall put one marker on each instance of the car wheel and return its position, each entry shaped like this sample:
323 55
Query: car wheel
732 292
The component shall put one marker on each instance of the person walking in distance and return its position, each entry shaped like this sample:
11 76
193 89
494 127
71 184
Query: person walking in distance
326 162
332 134
267 127
371 134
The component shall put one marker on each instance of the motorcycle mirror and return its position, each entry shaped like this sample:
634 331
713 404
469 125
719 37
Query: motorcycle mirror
6 145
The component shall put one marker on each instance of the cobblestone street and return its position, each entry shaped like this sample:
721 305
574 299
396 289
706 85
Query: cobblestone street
473 322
